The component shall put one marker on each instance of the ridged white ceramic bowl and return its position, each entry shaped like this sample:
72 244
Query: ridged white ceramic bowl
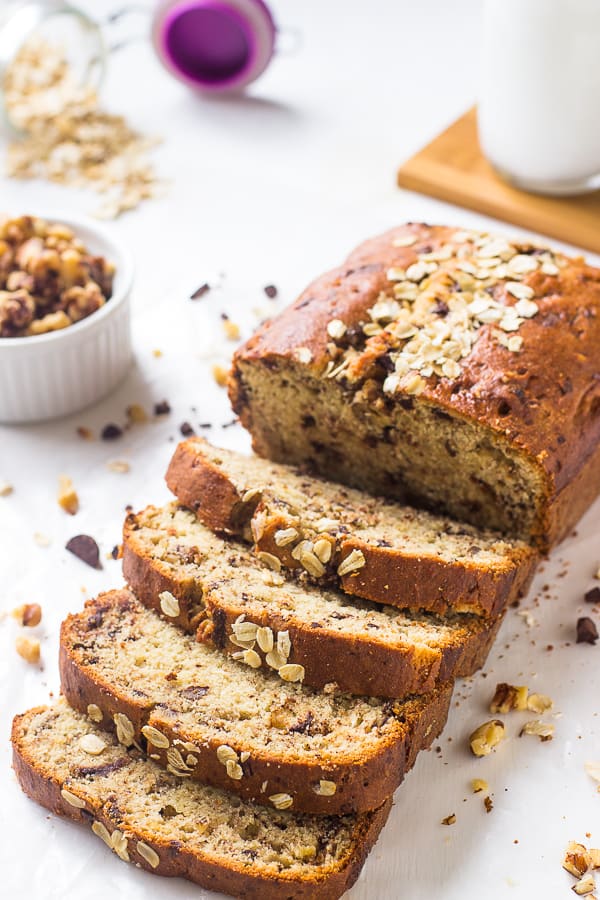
51 375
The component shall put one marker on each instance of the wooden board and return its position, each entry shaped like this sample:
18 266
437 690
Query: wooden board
452 168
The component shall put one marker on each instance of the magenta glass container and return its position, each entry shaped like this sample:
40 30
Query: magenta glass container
212 46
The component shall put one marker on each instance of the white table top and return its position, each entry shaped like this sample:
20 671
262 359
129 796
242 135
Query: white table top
274 188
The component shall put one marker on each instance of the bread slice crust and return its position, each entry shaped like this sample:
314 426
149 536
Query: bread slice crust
102 799
265 501
357 646
184 702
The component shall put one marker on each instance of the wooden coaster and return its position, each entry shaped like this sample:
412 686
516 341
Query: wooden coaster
452 168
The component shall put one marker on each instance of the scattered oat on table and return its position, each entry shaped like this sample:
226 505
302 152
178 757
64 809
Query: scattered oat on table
67 136
121 466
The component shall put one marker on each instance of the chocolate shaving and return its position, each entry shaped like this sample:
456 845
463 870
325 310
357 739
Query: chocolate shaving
200 292
194 692
186 429
587 633
271 291
162 409
111 432
86 549
592 596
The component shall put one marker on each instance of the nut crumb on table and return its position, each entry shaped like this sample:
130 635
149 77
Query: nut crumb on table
29 615
486 737
67 495
28 648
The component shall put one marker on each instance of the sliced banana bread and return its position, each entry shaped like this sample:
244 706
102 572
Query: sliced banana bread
447 368
255 733
224 594
335 535
177 827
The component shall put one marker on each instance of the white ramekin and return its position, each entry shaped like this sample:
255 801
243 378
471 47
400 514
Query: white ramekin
51 375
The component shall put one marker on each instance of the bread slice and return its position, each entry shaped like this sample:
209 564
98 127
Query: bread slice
354 645
334 535
206 716
176 827
451 369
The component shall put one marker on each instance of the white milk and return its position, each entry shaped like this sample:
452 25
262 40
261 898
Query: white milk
539 95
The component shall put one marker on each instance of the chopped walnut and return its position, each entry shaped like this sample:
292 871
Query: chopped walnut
136 414
449 820
539 703
507 697
232 331
48 278
79 302
585 886
543 730
478 784
487 737
28 649
577 859
17 310
28 615
67 495
220 375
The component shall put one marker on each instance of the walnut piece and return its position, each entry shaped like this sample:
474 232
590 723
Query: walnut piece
67 495
577 860
543 730
487 737
28 649
507 697
28 615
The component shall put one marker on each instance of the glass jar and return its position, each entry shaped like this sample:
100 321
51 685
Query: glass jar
214 46
58 24
540 93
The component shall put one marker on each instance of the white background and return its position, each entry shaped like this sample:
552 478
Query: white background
274 188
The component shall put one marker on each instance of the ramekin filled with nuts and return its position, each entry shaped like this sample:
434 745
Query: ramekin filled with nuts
64 316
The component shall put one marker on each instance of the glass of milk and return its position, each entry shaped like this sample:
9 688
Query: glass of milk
539 94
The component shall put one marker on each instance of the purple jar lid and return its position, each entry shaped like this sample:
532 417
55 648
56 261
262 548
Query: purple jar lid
213 46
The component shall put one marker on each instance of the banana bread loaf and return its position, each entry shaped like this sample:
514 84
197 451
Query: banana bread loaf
447 368
222 592
176 827
335 535
256 733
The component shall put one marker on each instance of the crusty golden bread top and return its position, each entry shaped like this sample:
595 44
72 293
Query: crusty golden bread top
506 334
